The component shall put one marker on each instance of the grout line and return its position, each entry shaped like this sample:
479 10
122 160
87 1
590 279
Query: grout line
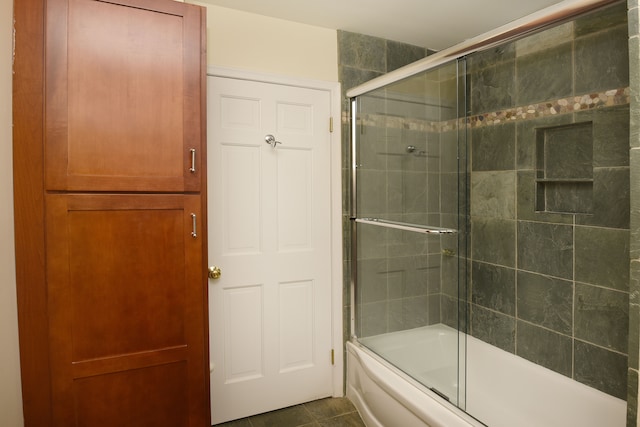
516 260
573 304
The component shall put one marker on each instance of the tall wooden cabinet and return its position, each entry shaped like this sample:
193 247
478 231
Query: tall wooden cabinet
109 171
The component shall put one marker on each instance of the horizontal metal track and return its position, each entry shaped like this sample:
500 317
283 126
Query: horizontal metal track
529 24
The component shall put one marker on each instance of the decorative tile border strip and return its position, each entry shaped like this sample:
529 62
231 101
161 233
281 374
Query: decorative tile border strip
570 104
567 105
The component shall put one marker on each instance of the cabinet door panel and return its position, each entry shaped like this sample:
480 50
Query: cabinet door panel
122 100
123 263
127 310
156 396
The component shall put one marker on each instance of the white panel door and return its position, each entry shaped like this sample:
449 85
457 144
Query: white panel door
269 233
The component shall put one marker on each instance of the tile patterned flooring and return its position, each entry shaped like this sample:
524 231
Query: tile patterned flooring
330 412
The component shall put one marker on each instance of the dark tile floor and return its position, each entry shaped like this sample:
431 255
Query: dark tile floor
330 412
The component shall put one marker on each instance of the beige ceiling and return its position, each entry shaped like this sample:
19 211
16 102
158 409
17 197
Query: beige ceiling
435 24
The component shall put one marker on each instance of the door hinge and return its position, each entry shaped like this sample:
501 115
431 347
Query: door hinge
331 124
333 361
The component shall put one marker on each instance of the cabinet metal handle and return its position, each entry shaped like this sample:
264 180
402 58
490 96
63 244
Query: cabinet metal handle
194 226
192 169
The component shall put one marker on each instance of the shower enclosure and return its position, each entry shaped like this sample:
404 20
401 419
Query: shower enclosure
490 199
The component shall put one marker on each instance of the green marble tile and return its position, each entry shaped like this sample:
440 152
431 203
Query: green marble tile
409 313
351 77
544 347
395 192
544 40
371 202
601 369
372 280
602 317
565 152
413 278
493 194
434 309
449 311
602 257
490 57
372 242
449 193
545 248
634 87
635 204
526 202
414 191
492 88
450 271
602 61
610 135
545 301
449 99
634 331
372 318
434 194
544 75
449 142
565 197
400 54
611 206
494 328
632 398
494 287
371 144
602 19
527 135
493 148
362 51
493 241
433 273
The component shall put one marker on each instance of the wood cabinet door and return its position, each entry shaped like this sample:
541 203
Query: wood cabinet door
124 95
127 310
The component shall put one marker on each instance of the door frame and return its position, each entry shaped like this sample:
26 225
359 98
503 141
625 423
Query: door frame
333 88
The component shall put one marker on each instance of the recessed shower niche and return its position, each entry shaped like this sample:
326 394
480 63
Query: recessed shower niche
564 168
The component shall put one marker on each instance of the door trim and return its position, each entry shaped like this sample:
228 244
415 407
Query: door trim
336 198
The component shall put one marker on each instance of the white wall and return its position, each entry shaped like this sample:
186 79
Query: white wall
261 44
10 391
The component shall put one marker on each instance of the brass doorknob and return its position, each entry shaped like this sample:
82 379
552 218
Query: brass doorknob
214 272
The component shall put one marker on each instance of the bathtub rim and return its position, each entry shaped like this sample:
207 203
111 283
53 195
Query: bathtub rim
445 412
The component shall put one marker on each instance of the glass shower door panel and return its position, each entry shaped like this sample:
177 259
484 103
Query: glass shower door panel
405 222
399 303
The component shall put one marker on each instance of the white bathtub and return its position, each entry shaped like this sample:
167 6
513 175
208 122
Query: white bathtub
502 390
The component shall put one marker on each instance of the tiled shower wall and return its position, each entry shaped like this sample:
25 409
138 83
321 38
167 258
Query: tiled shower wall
549 205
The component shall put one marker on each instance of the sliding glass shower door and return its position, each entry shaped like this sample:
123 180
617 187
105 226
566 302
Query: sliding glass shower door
409 226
